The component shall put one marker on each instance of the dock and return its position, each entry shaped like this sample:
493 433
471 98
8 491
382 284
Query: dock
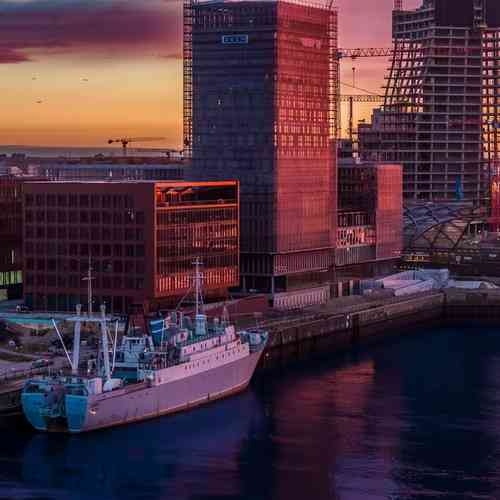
10 398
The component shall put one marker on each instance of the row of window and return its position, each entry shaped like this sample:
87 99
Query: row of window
82 200
84 233
128 217
75 282
117 304
228 355
220 277
52 248
74 265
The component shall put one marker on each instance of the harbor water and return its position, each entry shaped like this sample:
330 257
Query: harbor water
413 418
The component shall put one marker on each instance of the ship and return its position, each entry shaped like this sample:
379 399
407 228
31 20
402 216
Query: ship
185 364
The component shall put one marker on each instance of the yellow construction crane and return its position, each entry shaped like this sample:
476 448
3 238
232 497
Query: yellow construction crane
126 140
351 99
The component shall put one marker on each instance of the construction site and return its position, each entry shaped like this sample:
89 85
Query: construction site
440 119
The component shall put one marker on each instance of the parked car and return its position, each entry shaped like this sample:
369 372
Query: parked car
21 308
41 363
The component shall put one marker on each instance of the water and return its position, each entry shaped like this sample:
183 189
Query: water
418 418
27 320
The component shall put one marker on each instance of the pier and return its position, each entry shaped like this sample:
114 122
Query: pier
341 326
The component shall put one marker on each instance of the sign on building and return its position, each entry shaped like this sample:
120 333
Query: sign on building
234 39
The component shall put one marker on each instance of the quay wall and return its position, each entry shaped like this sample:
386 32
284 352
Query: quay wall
339 332
478 306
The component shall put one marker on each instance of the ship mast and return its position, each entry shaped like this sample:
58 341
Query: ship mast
89 279
105 345
198 283
76 340
200 318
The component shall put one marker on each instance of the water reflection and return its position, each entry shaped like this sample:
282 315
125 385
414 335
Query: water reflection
183 456
414 419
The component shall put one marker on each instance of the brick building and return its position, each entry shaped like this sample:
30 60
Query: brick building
141 238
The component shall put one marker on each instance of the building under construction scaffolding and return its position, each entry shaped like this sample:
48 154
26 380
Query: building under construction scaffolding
260 89
442 106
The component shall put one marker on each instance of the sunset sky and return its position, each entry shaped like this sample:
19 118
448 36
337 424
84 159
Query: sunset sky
77 72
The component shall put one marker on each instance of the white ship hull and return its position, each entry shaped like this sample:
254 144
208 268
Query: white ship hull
145 401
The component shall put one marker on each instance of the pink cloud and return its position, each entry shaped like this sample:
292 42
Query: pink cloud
88 26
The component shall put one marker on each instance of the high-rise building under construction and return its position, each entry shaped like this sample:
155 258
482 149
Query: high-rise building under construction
442 105
260 86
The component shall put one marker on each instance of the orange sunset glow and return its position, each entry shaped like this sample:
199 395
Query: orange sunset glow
77 73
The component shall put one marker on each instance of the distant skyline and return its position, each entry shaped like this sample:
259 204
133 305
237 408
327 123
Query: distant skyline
78 72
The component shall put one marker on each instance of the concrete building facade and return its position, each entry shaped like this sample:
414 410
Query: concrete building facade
442 100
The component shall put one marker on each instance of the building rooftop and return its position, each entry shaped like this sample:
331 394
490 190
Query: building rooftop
140 181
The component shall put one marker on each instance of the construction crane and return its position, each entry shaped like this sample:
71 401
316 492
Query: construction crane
353 54
364 52
351 99
361 98
126 140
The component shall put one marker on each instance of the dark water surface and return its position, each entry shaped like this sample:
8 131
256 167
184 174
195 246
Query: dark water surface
417 418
